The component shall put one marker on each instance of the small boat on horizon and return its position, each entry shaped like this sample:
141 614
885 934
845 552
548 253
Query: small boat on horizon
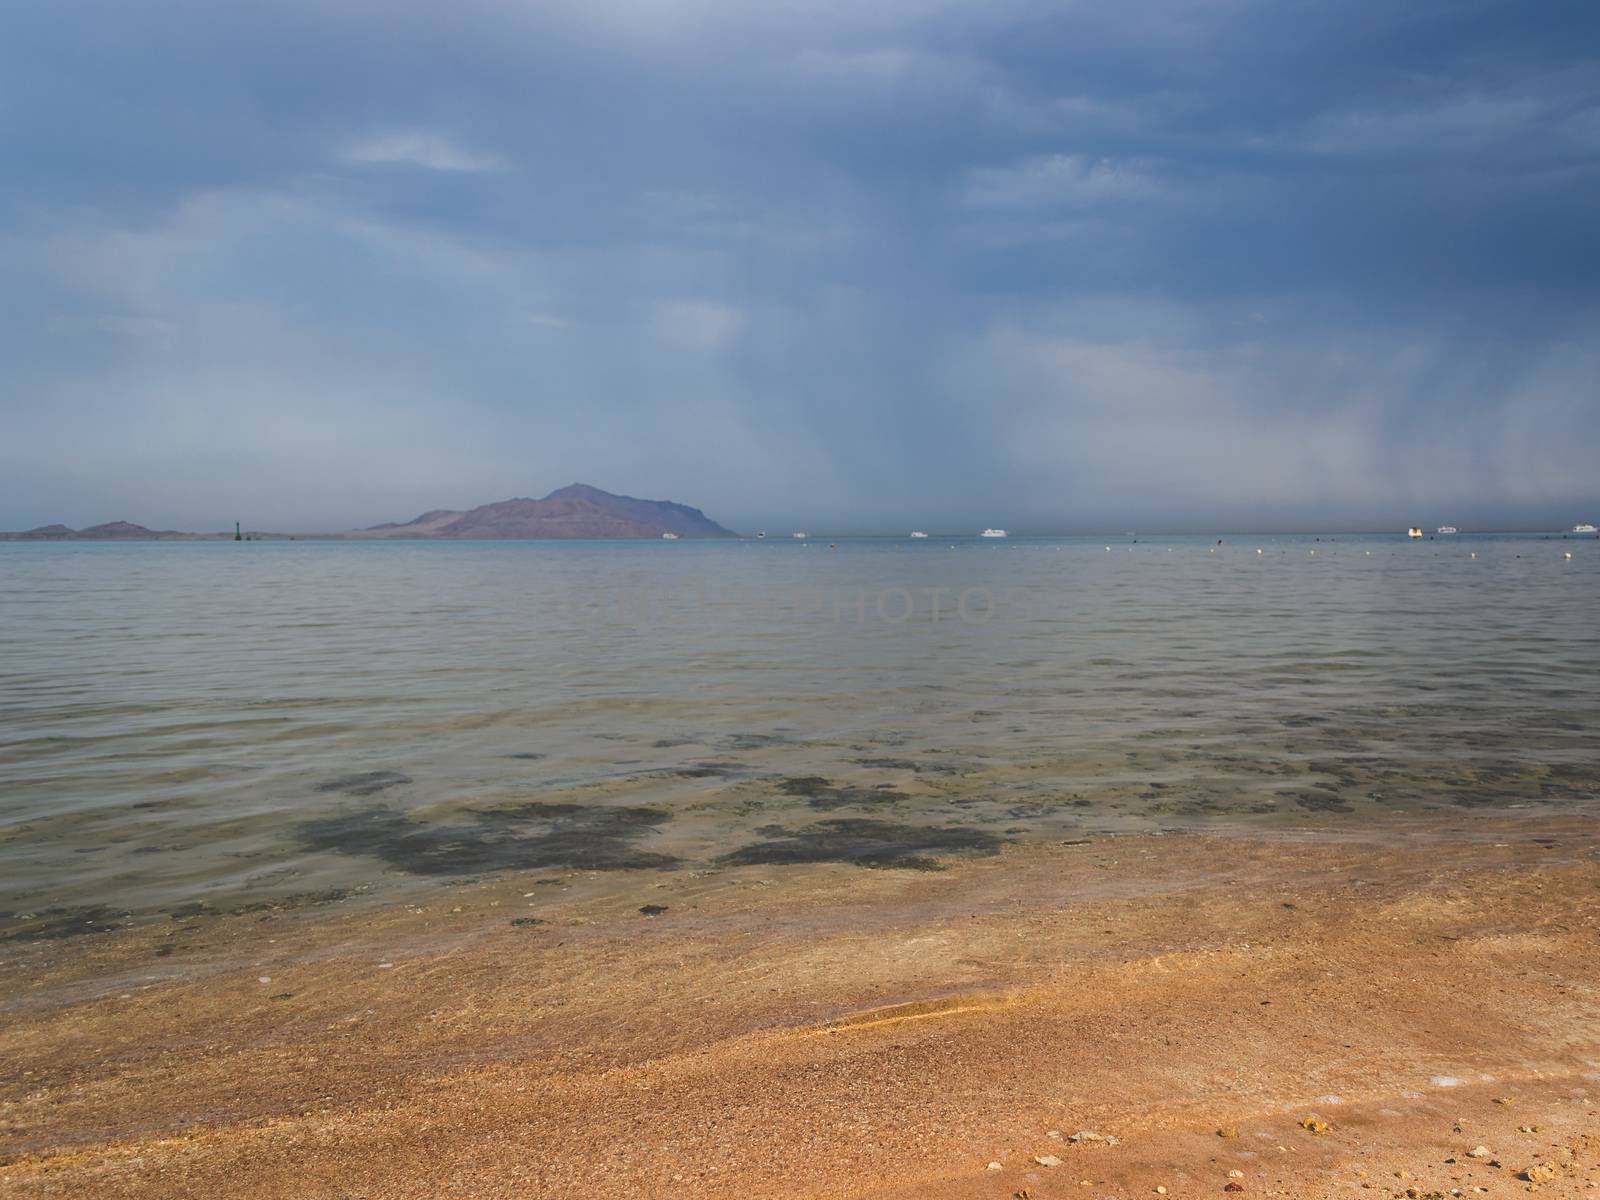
993 533
800 534
917 533
669 536
1415 531
1448 529
1584 527
761 533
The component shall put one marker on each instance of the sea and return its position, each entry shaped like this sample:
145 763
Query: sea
221 726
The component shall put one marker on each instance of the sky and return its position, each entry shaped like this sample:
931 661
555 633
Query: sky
1164 264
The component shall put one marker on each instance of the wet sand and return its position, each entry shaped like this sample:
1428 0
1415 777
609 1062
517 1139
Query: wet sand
828 1030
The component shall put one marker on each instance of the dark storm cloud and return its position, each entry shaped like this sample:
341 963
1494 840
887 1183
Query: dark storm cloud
1046 264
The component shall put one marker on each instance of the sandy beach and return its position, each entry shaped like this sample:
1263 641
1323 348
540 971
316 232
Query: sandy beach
699 600
1404 1011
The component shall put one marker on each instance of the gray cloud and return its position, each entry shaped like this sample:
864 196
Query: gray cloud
1153 263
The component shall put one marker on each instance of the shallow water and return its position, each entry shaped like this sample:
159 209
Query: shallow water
235 724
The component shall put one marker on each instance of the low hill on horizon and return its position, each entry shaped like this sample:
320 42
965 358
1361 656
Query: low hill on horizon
575 511
110 531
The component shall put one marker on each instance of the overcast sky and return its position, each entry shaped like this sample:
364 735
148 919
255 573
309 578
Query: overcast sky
858 263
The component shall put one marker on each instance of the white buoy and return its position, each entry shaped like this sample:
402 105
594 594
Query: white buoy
1258 549
1568 554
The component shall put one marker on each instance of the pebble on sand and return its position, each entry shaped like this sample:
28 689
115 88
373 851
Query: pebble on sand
1047 1160
993 1166
1478 1152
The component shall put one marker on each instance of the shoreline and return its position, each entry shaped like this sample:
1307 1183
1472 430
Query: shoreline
830 1031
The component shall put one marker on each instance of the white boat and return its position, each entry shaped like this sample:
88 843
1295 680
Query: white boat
1448 529
761 533
669 537
1585 528
1414 531
800 535
917 533
993 533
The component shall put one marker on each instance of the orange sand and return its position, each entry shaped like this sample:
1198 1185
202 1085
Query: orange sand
830 1031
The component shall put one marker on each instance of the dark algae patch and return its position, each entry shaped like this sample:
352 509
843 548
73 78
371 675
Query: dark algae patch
49 924
754 741
907 764
364 783
1321 801
864 842
199 908
534 835
820 793
705 770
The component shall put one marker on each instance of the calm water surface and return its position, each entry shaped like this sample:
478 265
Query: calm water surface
230 724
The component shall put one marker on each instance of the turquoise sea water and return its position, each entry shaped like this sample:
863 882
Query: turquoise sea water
230 724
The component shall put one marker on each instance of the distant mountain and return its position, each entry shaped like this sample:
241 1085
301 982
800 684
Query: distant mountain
575 511
427 522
